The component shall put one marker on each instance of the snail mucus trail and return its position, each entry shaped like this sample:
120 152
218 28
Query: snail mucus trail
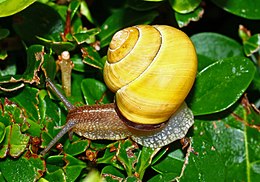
111 121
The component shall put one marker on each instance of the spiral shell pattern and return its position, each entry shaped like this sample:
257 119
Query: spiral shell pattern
151 69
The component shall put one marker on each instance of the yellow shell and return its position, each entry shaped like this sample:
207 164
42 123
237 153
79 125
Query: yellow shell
151 69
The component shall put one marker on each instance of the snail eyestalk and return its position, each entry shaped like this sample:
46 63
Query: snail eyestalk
67 104
63 131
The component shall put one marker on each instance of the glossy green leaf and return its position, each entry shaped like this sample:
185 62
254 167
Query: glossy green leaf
145 160
184 6
73 168
14 143
12 113
110 173
245 9
77 96
174 159
10 7
93 175
3 54
211 47
95 91
73 8
58 175
4 145
163 177
110 159
10 66
226 144
3 32
91 57
121 19
185 19
76 147
38 20
18 141
58 47
78 63
87 36
24 170
220 85
30 75
34 129
84 10
252 44
2 132
49 66
206 164
27 99
126 155
142 5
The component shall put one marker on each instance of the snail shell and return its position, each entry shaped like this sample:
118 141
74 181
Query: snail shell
151 69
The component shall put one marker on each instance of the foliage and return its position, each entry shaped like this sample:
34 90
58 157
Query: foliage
224 141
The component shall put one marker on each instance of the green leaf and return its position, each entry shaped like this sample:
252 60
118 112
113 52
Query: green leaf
185 19
73 8
2 132
126 156
220 85
110 173
21 169
141 5
174 159
10 7
245 9
87 36
109 158
145 160
78 64
73 167
121 19
34 61
49 66
76 147
252 44
184 6
38 20
206 164
91 57
17 141
84 10
3 31
226 144
212 47
94 91
58 175
3 54
27 99
14 143
58 47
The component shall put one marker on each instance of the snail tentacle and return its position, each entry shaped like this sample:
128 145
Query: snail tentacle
69 125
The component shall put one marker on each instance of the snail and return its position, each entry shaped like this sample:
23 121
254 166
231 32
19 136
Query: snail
151 69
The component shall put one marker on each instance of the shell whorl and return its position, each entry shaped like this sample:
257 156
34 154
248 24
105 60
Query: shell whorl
151 69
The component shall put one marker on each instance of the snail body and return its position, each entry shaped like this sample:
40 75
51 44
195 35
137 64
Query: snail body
149 101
